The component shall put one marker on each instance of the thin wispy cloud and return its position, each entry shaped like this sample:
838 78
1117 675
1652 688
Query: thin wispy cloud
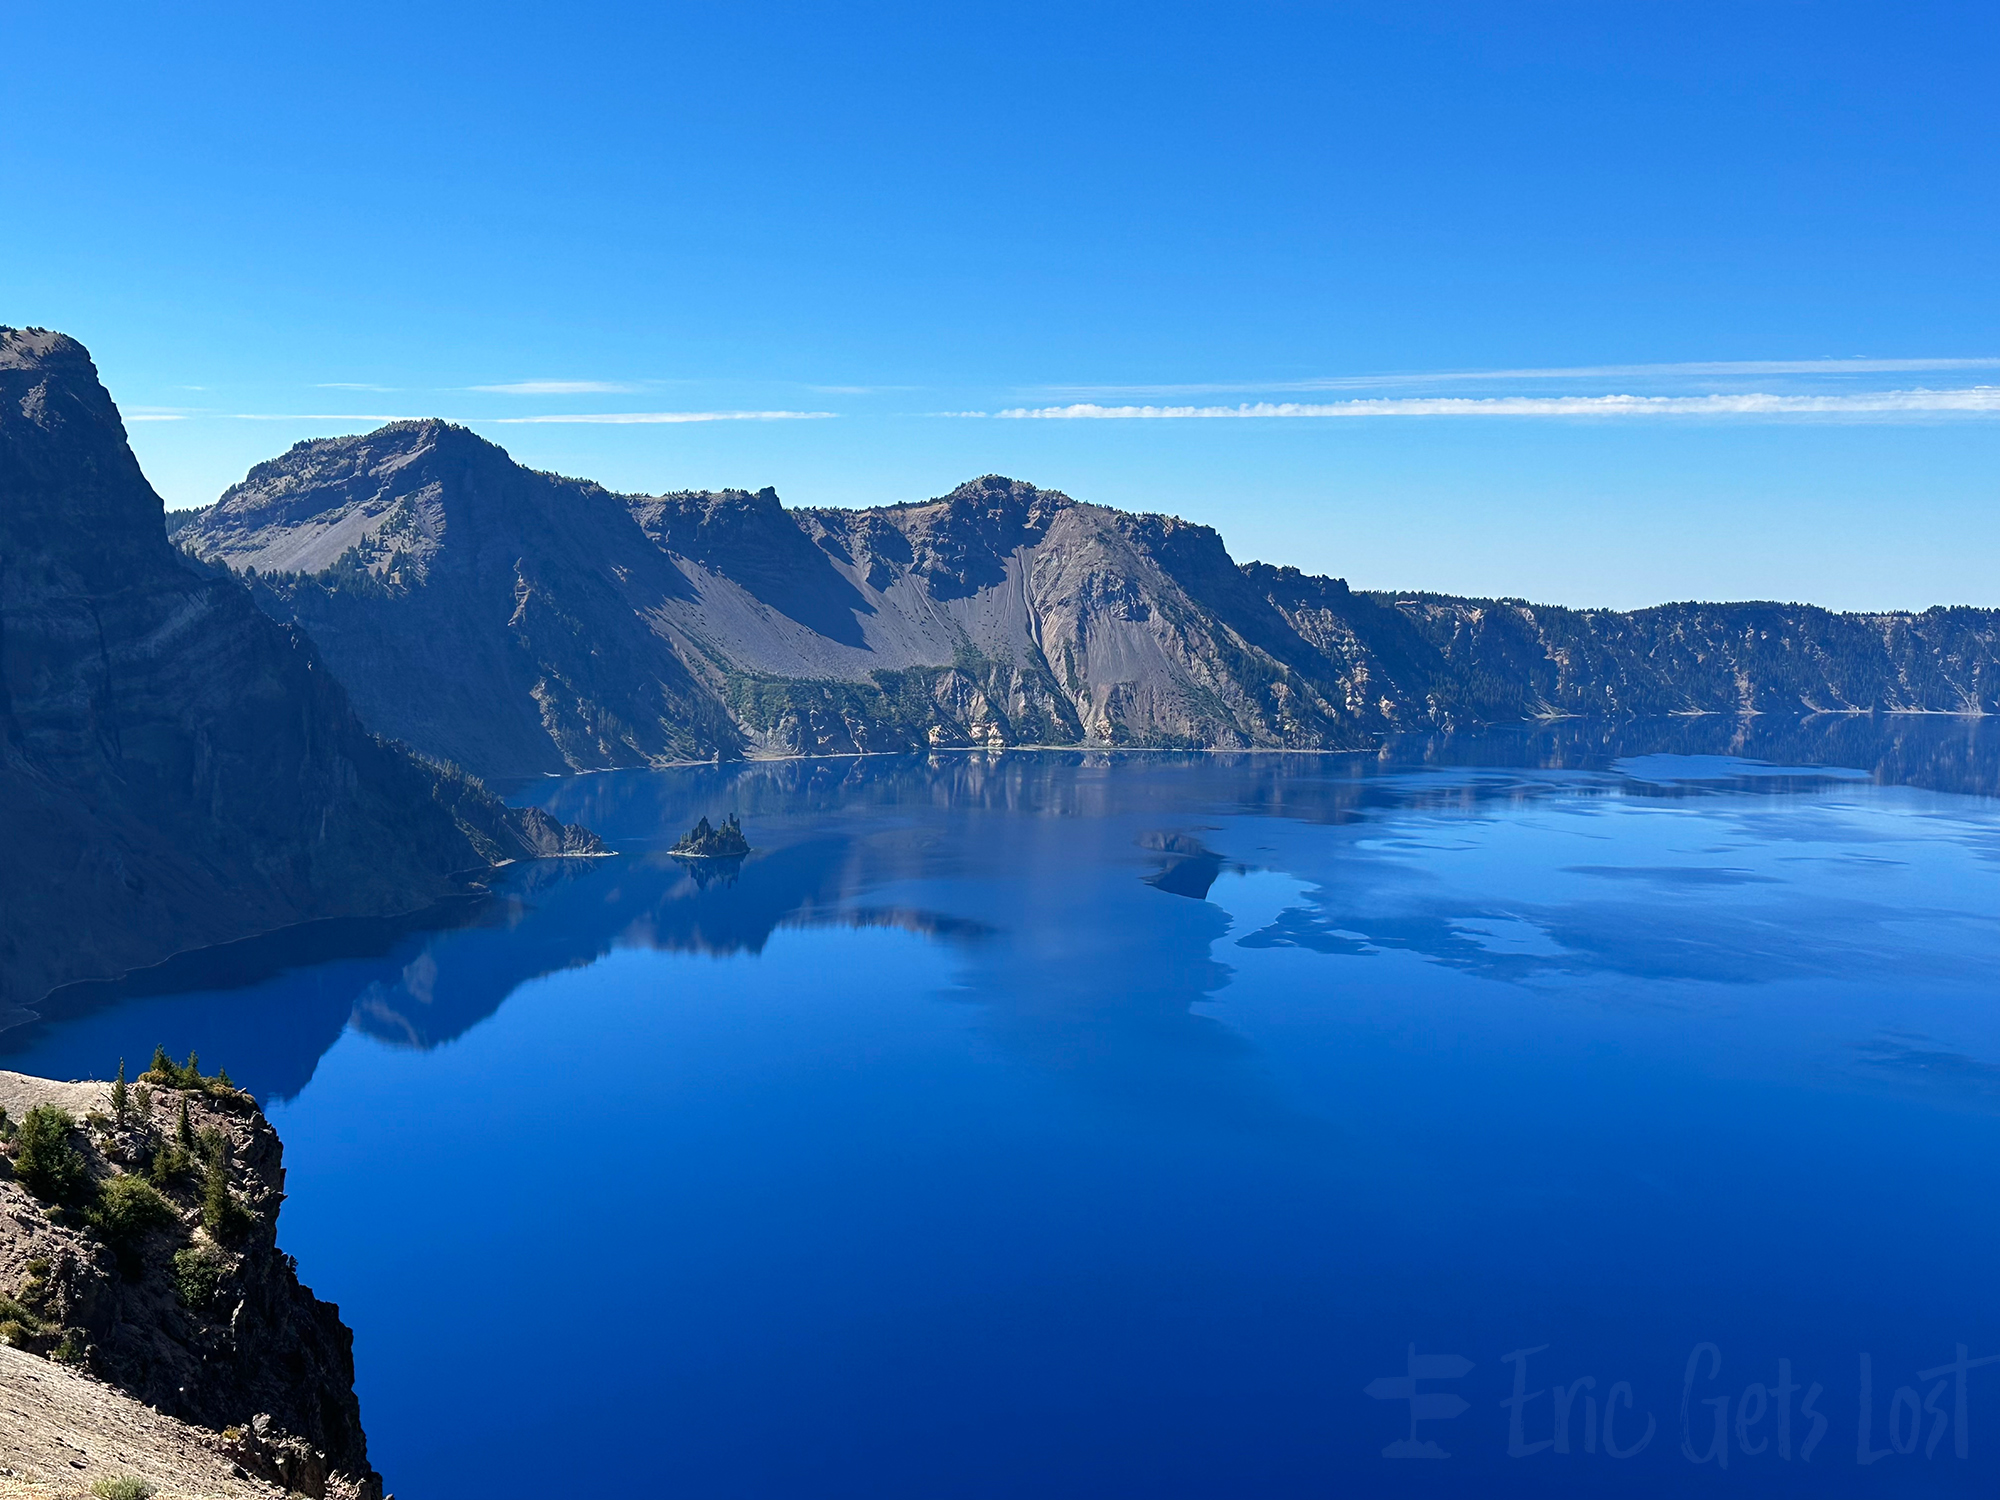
613 418
648 417
320 416
1737 369
557 388
1973 401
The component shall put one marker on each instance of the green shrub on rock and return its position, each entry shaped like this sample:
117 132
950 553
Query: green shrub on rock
18 1325
124 1487
171 1164
170 1074
221 1215
22 1317
173 1161
47 1164
212 1146
174 1075
197 1277
128 1209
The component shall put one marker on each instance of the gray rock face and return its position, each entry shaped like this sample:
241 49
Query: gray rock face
522 623
67 1433
177 769
498 617
1428 659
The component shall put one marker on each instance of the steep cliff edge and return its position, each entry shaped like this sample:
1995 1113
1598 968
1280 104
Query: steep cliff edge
176 769
484 612
138 1247
572 628
625 630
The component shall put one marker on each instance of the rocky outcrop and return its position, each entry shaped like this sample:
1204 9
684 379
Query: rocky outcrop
488 614
1421 661
568 628
1505 659
706 841
1000 614
629 630
138 1246
176 768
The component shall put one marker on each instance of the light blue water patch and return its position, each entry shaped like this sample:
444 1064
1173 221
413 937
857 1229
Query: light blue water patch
1669 768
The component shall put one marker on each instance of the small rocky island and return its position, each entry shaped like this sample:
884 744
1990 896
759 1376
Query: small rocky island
706 842
153 1337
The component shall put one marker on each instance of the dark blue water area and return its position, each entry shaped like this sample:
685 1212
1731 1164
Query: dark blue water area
1134 1125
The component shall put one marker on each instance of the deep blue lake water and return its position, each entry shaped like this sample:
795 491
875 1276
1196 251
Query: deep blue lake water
1089 1125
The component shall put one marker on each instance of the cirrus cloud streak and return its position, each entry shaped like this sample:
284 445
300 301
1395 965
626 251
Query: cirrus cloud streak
614 417
620 417
1733 369
556 387
1981 400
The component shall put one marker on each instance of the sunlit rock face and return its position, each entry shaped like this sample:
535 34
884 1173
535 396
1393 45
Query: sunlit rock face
520 623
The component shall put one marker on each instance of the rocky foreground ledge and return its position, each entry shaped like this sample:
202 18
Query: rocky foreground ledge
150 1328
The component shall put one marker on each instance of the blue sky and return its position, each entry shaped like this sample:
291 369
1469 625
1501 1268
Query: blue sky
275 222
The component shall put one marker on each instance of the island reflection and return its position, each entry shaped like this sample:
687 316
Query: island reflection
970 849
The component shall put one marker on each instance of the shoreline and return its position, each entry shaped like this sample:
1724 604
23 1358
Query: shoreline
517 783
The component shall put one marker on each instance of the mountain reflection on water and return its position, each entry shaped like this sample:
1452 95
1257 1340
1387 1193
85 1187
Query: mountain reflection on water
876 841
1122 1120
422 988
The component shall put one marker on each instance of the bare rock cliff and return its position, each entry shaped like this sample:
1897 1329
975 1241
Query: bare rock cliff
567 627
176 768
484 612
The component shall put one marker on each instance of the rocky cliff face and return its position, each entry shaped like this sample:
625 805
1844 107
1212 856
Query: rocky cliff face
177 769
152 1264
1414 661
572 628
496 616
1504 659
569 628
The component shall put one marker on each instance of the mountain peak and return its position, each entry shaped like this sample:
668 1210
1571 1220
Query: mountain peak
200 757
69 484
26 348
394 488
992 487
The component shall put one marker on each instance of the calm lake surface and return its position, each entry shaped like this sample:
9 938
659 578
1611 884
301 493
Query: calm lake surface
1091 1125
